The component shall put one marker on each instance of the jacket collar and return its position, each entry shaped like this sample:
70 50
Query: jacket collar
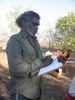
25 34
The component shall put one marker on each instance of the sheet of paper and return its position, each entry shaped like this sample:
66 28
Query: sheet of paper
54 65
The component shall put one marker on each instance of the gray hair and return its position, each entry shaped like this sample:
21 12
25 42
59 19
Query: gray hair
29 15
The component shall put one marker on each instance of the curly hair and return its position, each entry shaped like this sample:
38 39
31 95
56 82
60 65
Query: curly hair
29 15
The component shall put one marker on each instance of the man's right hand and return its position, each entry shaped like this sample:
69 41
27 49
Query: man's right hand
46 61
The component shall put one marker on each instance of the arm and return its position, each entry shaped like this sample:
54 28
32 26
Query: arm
17 65
45 62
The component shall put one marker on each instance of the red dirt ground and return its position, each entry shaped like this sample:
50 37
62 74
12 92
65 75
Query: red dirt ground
53 88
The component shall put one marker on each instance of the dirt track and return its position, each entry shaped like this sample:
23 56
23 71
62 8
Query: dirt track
53 88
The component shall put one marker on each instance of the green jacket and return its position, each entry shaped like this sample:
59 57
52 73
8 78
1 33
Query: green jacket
24 56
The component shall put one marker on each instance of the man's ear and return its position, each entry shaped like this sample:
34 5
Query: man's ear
23 23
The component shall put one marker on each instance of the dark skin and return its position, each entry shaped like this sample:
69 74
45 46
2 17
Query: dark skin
46 61
31 26
62 59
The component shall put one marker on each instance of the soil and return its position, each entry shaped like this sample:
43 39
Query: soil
53 88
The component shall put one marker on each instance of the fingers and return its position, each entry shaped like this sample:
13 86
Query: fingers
62 59
51 60
47 61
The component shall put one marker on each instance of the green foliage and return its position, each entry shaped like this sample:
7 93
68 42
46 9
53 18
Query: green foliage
69 43
65 30
64 23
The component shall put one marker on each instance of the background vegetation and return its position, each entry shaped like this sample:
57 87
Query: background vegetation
62 36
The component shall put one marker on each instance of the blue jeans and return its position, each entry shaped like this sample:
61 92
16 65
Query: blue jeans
18 96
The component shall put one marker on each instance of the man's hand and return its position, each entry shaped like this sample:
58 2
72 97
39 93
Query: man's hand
62 59
46 61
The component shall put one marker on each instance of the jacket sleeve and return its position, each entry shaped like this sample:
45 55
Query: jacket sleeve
17 65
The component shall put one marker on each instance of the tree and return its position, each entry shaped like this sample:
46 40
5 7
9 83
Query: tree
11 17
65 27
48 35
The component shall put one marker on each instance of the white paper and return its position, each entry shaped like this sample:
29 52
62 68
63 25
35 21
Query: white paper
54 65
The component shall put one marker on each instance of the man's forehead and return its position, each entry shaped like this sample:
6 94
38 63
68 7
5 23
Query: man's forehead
34 20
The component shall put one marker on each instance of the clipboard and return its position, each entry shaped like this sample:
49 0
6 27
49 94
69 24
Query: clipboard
53 66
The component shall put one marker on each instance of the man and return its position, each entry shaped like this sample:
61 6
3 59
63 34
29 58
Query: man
25 59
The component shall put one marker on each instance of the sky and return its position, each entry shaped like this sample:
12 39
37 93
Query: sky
49 10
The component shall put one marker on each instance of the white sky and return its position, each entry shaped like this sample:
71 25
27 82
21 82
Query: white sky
49 10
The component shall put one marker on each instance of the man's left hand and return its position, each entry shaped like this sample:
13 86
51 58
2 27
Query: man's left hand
62 59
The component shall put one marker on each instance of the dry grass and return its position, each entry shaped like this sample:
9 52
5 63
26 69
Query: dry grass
3 59
52 89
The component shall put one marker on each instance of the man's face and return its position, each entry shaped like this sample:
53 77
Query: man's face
32 26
